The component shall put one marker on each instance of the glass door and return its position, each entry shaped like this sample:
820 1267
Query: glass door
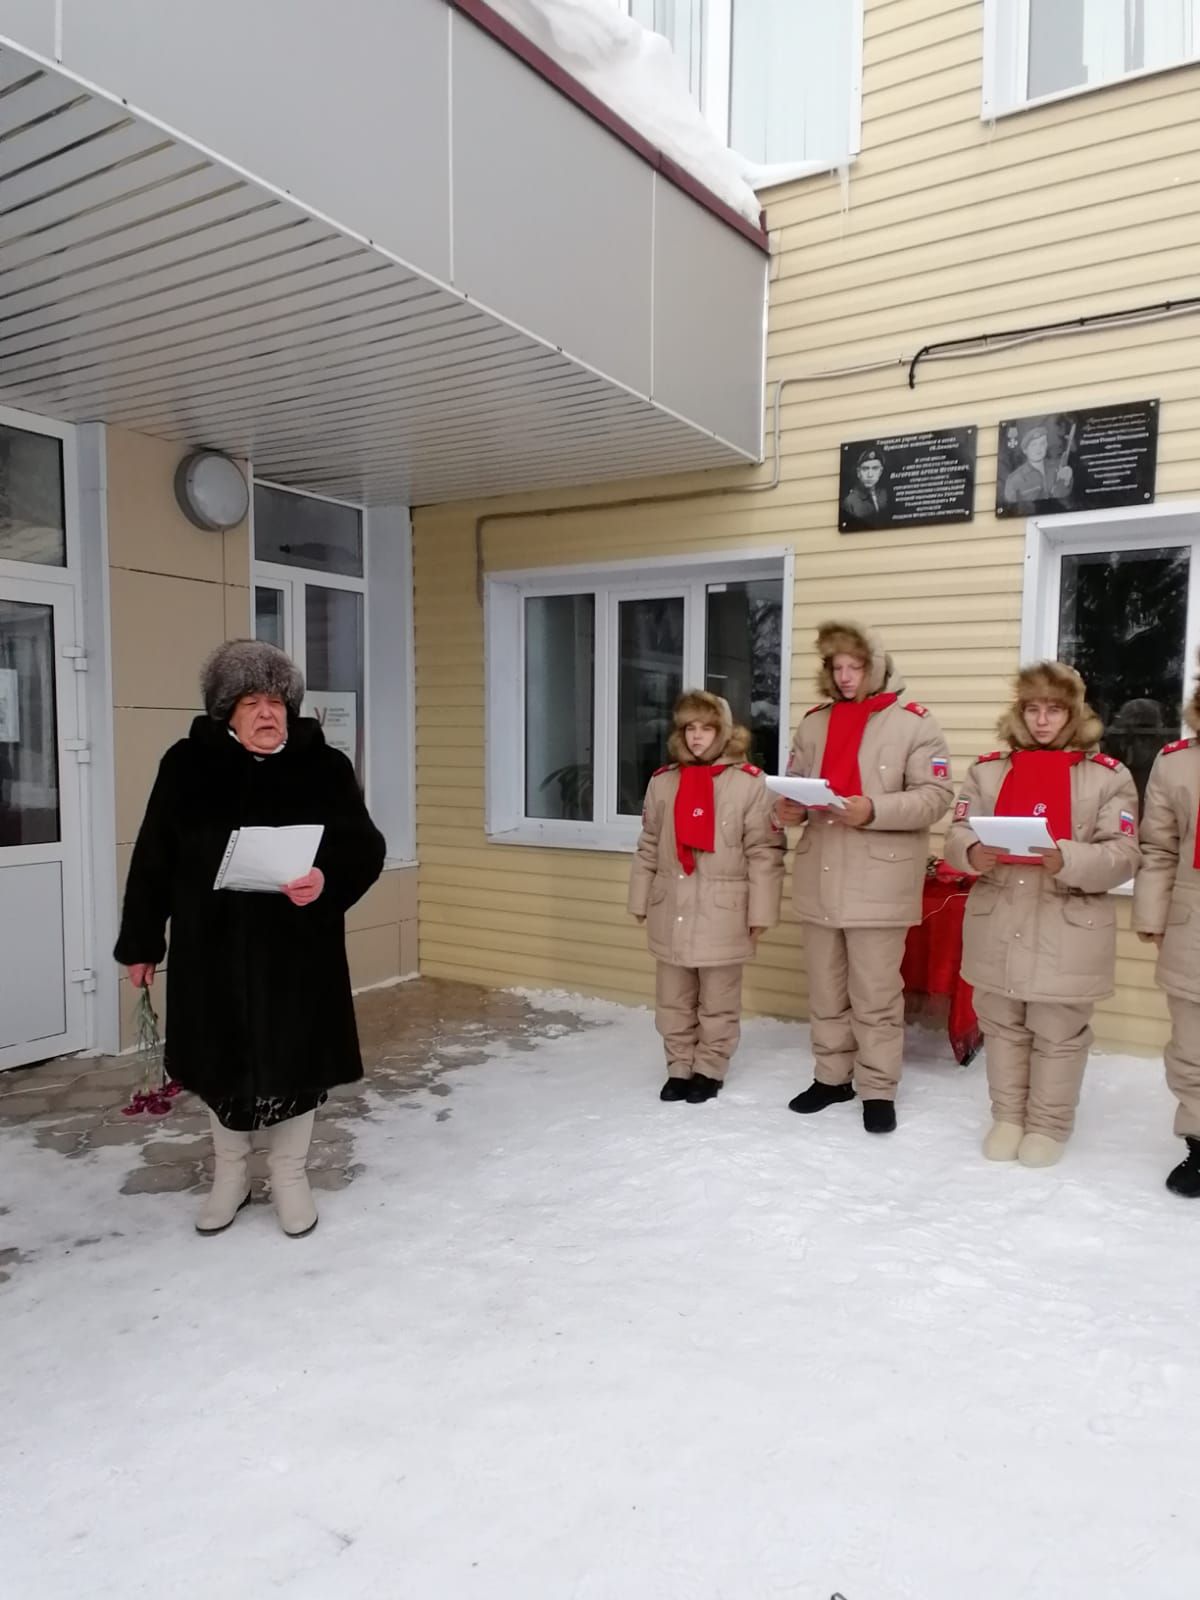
42 1008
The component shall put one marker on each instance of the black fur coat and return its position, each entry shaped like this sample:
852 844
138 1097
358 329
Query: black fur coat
258 990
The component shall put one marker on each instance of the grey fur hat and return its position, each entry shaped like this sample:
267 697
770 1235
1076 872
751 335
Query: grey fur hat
248 666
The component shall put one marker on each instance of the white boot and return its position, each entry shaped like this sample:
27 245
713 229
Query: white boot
231 1178
1040 1150
1003 1141
287 1157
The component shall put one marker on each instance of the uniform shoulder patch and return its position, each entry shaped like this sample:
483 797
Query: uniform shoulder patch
1177 744
916 708
1110 762
658 771
755 772
823 705
992 755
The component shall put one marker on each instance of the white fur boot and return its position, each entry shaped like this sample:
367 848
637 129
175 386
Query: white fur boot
1039 1150
287 1158
231 1178
1003 1141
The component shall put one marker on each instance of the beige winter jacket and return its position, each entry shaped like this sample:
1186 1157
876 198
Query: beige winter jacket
1166 897
1032 936
704 920
872 877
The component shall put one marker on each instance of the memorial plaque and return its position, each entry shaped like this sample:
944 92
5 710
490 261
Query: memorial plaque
1082 460
907 480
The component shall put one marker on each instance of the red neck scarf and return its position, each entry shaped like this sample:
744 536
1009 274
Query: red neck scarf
847 724
696 812
1038 784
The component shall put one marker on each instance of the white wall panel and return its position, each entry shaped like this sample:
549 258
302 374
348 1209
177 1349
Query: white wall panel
346 107
552 214
709 320
29 23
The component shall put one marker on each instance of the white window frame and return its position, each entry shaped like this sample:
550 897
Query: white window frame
84 717
1006 62
716 83
294 580
1047 539
613 583
388 710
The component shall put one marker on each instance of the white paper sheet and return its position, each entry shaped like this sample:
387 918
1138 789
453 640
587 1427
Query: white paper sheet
262 860
1016 836
806 791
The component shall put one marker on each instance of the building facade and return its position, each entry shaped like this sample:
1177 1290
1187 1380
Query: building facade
517 463
370 298
1021 165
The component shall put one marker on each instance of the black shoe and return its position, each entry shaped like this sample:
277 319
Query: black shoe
819 1095
1185 1178
675 1089
701 1089
879 1116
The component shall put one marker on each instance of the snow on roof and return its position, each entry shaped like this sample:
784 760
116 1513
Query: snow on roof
636 74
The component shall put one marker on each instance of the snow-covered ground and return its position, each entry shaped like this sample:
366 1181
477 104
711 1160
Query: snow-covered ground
573 1344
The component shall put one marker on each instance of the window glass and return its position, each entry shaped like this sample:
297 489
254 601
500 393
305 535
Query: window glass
32 522
1073 43
1123 627
649 681
560 706
790 82
269 619
294 530
29 800
743 656
333 620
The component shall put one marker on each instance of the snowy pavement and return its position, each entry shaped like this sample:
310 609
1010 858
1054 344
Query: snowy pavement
568 1343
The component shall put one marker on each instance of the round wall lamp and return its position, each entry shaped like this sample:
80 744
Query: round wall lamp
211 491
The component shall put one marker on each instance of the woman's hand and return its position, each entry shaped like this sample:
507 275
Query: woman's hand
303 891
755 935
982 858
141 974
1052 860
1151 938
789 813
856 812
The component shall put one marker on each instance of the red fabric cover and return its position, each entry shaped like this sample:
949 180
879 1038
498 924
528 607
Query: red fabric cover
933 956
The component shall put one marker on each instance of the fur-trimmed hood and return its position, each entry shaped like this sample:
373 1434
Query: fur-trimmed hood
1051 680
697 705
248 666
1191 712
847 638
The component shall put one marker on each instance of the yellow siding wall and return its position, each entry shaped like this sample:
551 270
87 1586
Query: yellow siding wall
946 227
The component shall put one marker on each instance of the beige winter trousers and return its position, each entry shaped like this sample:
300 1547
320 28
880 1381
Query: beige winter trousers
1036 1053
856 1006
1182 1057
698 1011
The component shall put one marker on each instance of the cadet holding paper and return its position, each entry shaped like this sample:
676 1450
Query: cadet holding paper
859 868
1039 934
260 1015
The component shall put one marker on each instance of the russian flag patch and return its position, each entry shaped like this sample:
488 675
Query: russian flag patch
941 767
1127 824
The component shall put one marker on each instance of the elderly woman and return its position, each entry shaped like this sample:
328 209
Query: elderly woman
260 1016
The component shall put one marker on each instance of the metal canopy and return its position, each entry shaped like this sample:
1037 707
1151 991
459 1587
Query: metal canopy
145 284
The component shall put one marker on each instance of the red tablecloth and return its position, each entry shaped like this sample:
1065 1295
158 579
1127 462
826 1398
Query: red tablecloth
933 984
